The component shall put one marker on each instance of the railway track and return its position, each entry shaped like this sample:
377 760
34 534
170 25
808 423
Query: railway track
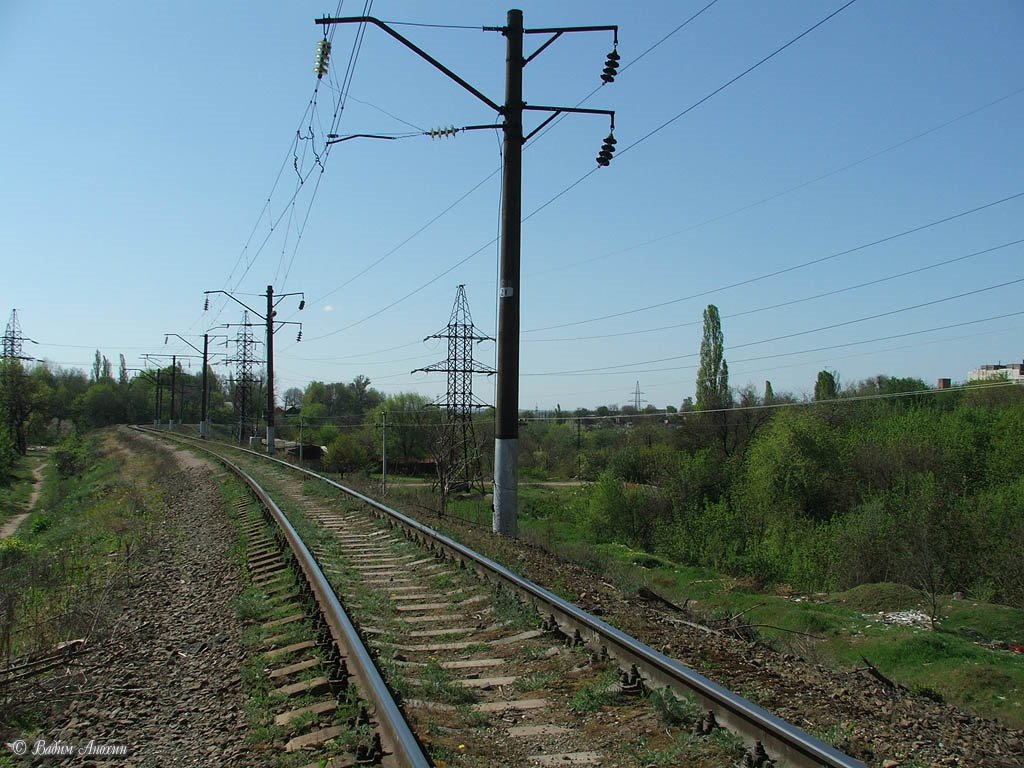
453 651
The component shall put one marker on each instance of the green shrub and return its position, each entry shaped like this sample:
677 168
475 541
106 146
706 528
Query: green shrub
70 457
8 456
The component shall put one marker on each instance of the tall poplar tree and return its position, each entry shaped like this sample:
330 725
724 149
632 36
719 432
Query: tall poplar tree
713 393
713 375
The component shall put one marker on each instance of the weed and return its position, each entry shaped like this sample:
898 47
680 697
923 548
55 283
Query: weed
437 683
673 710
595 696
41 523
507 608
534 681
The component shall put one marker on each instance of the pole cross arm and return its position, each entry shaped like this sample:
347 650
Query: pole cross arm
237 301
557 32
414 48
179 336
556 111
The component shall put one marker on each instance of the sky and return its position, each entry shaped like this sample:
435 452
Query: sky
854 203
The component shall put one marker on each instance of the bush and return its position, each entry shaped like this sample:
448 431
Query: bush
8 457
70 457
346 454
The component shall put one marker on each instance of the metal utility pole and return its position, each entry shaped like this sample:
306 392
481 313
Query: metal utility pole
506 442
158 406
174 378
204 403
272 327
174 370
383 453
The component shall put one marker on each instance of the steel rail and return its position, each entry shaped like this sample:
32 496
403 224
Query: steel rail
396 736
782 740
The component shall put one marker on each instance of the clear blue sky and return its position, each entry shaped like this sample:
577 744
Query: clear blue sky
141 143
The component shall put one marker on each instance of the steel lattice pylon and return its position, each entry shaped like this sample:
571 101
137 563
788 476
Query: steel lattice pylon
13 340
244 360
458 453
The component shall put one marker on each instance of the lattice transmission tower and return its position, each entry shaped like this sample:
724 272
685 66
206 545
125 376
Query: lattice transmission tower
458 454
245 400
13 339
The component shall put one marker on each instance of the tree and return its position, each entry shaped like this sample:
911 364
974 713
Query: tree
713 393
19 398
713 375
122 372
827 385
292 398
769 393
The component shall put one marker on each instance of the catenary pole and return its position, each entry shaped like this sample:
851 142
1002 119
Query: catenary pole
174 379
270 369
204 406
506 443
506 437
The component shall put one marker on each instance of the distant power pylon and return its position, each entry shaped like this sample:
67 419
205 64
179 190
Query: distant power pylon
458 454
13 341
636 397
245 405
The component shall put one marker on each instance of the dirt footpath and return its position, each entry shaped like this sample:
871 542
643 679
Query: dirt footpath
12 525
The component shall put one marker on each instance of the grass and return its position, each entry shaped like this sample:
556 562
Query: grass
65 575
674 710
438 684
718 748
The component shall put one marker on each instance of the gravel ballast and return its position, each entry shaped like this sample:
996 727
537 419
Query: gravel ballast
164 681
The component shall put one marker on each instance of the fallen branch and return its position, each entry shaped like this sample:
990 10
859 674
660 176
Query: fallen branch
791 631
873 670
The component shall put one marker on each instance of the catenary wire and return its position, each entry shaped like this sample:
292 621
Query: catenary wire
589 173
783 192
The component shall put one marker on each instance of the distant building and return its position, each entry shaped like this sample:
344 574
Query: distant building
1013 372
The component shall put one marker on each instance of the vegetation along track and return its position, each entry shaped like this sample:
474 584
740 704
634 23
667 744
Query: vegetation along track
467 647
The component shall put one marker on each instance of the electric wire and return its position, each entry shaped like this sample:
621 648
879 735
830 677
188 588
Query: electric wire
831 326
784 270
842 400
738 77
498 169
782 193
790 302
589 173
346 86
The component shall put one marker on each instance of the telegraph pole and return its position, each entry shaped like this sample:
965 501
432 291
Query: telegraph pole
506 442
